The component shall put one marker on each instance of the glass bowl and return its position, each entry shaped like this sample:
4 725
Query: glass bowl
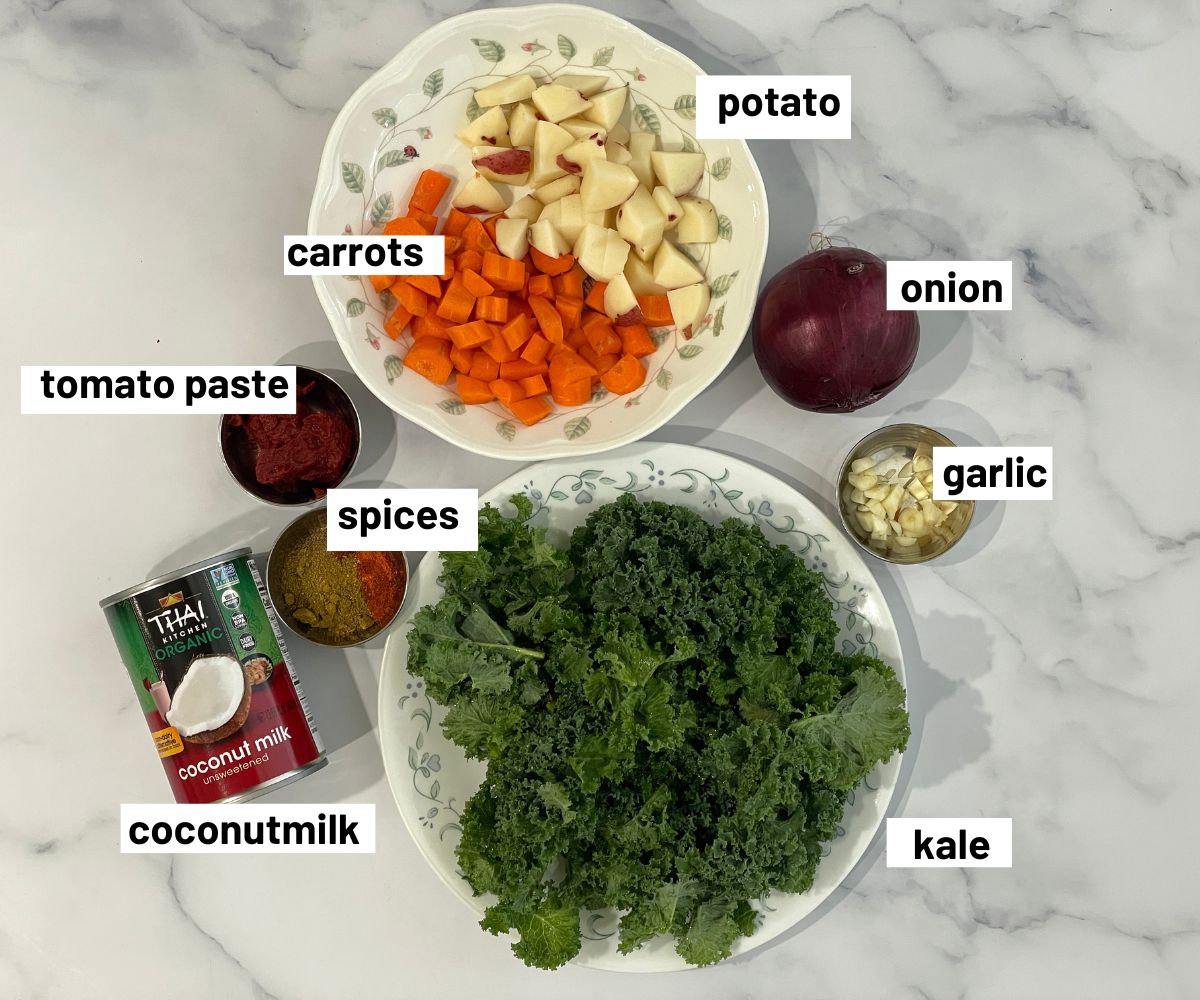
908 440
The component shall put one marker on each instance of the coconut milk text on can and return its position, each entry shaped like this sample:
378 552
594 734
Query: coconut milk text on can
208 662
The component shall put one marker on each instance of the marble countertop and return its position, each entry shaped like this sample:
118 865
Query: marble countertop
154 154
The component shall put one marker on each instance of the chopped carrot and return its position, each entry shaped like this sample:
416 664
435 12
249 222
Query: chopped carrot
457 303
431 187
517 331
551 265
396 322
529 411
606 361
567 366
536 350
430 325
534 385
602 339
381 281
431 358
498 348
636 340
469 260
475 284
570 308
500 272
576 339
428 283
625 376
571 393
473 334
427 220
472 390
518 369
484 367
489 227
548 319
656 310
507 392
539 284
493 308
595 298
570 283
402 225
456 223
475 237
462 358
411 298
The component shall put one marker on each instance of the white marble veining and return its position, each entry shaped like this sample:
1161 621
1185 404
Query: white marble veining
153 155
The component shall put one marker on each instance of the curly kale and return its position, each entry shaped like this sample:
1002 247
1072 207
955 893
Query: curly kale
668 726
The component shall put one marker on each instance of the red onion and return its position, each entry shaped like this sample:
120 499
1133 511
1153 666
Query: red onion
823 336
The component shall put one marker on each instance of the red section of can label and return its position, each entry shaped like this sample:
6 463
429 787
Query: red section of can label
207 659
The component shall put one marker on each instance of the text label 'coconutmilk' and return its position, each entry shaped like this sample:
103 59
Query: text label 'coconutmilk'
772 107
364 255
395 520
123 389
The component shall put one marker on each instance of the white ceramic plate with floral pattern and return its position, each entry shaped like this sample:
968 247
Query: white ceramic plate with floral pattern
430 778
404 118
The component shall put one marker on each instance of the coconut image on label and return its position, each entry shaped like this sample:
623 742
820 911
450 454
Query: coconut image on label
213 700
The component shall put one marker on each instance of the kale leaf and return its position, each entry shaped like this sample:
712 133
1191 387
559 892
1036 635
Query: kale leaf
668 726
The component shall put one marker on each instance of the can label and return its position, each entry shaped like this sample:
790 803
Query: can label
210 668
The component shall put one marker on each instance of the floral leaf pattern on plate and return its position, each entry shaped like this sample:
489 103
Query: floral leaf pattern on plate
685 104
490 50
602 57
433 84
720 285
385 116
353 177
566 47
720 168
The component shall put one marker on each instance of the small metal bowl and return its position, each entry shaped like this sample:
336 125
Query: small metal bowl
275 583
240 453
908 438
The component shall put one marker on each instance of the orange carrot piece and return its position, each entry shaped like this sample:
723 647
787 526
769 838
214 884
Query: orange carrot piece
502 273
428 283
448 269
472 390
570 283
404 226
430 325
529 411
462 358
469 260
498 348
571 393
656 310
427 220
431 358
475 237
606 361
430 188
493 308
548 320
456 223
473 334
568 366
412 298
474 283
517 331
518 369
381 281
536 350
636 340
507 392
602 339
595 298
570 308
457 303
396 323
625 376
576 339
539 284
484 367
489 227
534 385
551 265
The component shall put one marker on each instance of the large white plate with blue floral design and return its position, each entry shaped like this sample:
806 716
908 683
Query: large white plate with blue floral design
431 779
404 118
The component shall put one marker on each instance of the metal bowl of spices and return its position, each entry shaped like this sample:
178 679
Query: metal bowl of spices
885 496
290 460
333 598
